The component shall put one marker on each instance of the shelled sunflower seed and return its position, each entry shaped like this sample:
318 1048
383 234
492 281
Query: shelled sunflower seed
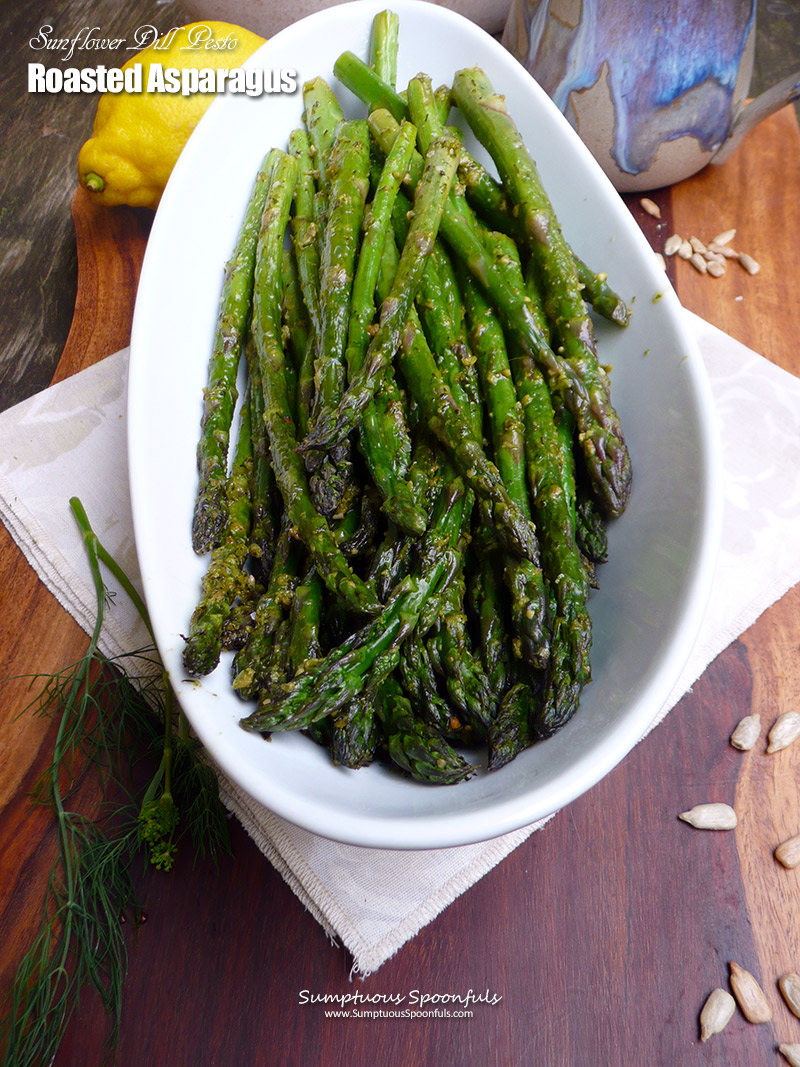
710 817
791 1053
650 207
716 251
717 1012
788 852
784 732
749 995
789 985
747 732
723 238
749 263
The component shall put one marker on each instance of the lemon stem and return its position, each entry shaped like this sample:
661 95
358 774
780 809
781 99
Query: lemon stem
93 182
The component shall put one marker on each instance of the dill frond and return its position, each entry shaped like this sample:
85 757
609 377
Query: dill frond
108 720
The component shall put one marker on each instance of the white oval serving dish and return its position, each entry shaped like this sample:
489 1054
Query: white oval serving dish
655 586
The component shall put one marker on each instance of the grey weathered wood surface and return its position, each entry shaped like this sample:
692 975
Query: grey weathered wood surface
41 135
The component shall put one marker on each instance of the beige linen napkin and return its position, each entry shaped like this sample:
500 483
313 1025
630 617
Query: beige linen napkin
70 440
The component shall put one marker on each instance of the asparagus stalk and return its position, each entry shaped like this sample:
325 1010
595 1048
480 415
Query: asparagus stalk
304 643
488 117
263 493
251 663
322 113
432 189
287 465
383 46
415 746
225 578
354 738
368 85
347 179
210 512
464 235
484 193
523 580
383 433
371 654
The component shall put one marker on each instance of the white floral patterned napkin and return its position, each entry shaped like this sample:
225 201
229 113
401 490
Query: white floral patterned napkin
70 440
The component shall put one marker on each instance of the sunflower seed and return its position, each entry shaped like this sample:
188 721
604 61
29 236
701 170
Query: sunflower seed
724 238
716 1014
710 817
789 985
788 852
651 208
672 244
784 731
697 245
698 263
685 251
723 250
749 263
749 995
791 1053
715 268
661 261
746 733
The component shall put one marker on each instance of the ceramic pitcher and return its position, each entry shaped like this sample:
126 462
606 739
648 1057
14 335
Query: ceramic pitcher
655 88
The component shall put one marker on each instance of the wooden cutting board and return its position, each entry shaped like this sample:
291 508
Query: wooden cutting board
605 931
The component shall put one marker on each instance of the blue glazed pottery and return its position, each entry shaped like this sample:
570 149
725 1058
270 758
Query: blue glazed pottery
655 88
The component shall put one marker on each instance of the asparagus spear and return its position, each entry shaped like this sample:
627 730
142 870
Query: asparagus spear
486 604
220 395
347 179
446 421
487 195
484 193
304 643
322 113
307 269
238 625
465 681
569 669
417 676
510 730
597 292
266 508
414 745
598 439
432 190
354 737
486 113
368 85
251 663
287 465
224 579
372 653
523 580
383 46
383 432
590 529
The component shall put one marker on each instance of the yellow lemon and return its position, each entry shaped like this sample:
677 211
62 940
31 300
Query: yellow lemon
138 136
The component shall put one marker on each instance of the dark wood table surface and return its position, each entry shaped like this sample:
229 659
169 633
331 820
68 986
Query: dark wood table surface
605 931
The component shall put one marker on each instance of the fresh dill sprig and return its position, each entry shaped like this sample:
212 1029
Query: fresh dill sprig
104 713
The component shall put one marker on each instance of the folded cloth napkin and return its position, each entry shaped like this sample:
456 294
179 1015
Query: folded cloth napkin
70 440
